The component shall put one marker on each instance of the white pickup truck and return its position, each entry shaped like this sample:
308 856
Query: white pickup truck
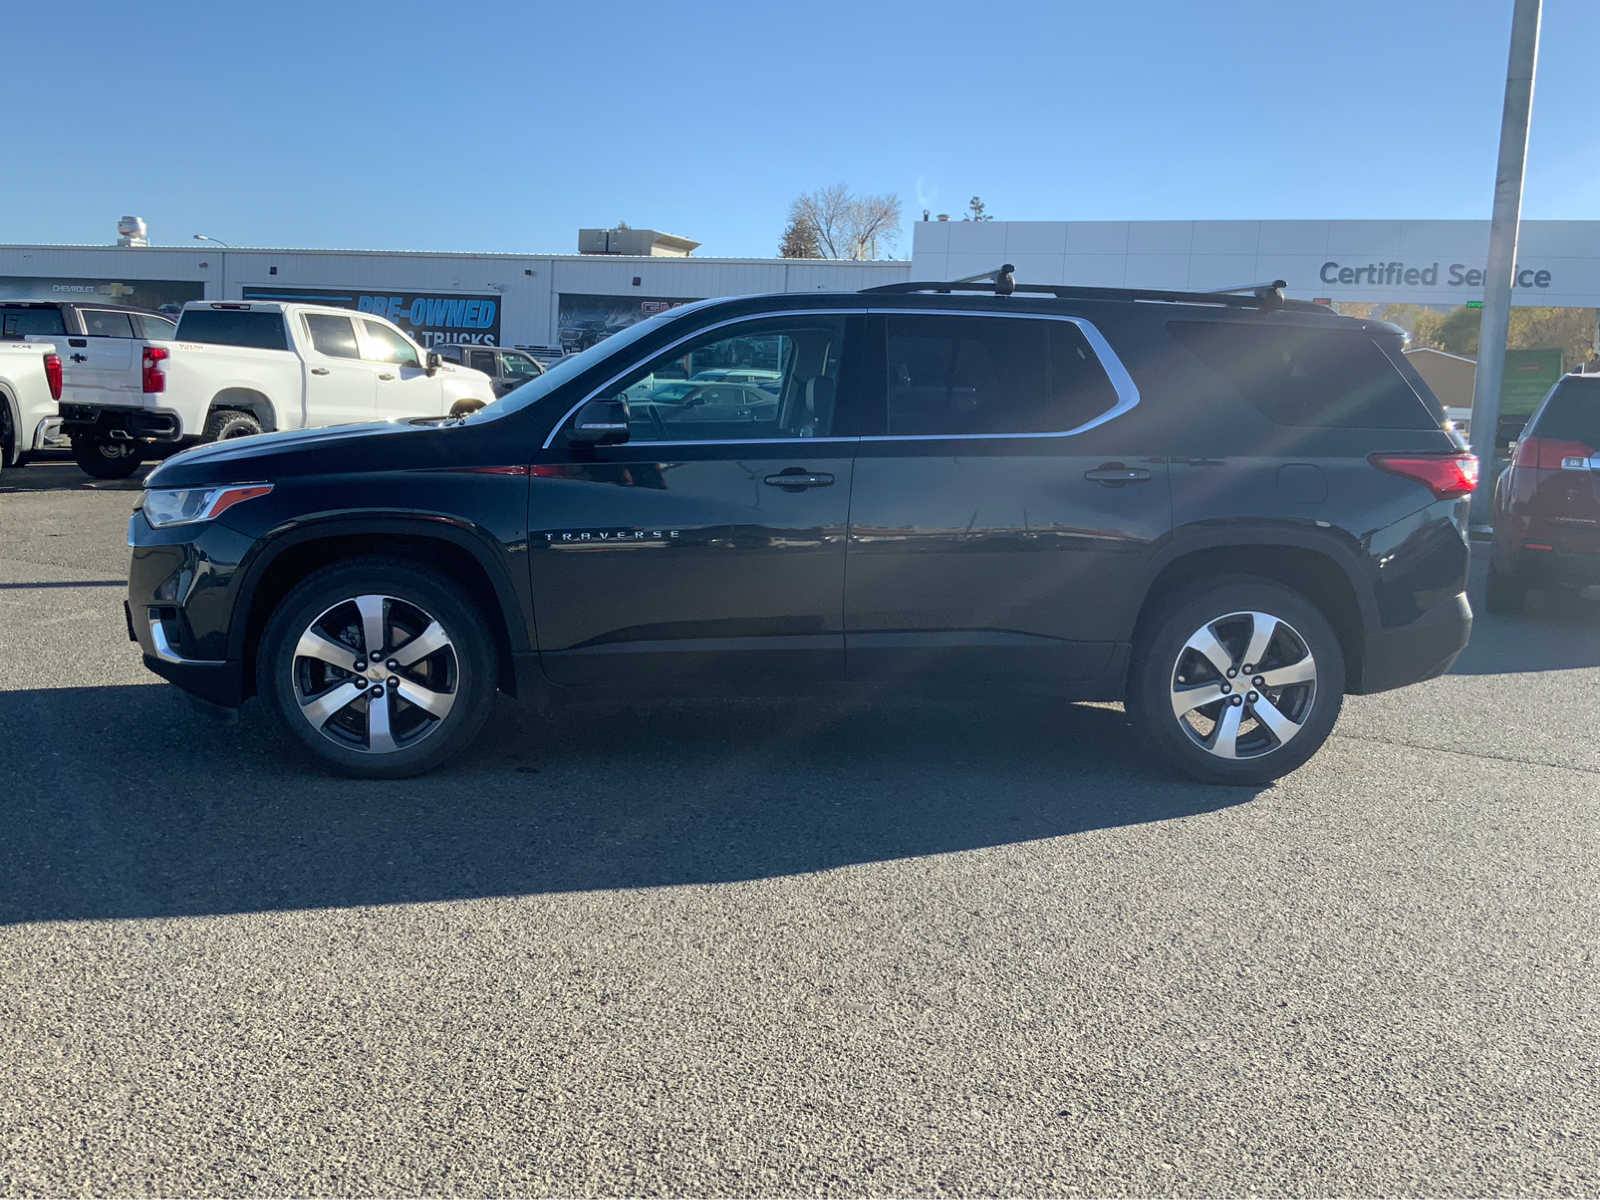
30 386
235 368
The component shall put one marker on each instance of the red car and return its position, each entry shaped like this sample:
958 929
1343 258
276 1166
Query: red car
1547 502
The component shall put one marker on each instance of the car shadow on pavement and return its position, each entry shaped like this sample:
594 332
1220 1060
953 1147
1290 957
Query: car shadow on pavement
125 803
1558 631
55 475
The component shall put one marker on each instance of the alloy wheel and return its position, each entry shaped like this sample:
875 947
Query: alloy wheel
375 674
1243 685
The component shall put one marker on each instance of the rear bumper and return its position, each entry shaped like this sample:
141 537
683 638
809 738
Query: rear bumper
121 424
1421 649
1556 568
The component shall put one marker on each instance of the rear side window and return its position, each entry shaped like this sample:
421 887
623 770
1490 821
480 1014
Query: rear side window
17 321
333 336
98 322
1573 412
1322 378
233 327
977 376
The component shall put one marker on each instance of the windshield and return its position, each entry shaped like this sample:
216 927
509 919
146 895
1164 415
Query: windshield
573 365
522 366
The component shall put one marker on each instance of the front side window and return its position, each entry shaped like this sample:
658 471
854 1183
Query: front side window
686 394
100 323
333 336
521 366
988 376
385 345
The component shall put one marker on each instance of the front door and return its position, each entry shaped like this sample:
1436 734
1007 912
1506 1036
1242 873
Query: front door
1002 525
405 389
341 386
708 548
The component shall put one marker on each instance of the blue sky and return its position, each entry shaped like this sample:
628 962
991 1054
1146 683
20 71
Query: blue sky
505 126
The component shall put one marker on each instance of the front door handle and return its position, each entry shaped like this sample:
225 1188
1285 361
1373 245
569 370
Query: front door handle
385 375
1115 475
798 479
319 370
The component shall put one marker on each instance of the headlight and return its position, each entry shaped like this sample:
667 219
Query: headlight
184 506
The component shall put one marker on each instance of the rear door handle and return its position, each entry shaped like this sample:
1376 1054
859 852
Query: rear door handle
1115 476
319 370
798 480
385 376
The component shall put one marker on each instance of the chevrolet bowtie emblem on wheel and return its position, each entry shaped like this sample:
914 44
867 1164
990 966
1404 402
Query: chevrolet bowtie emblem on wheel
591 537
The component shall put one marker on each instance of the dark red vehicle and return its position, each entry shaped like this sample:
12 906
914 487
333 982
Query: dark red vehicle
1547 502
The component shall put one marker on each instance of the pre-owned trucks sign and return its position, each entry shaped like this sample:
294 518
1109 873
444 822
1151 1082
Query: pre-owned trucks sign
429 317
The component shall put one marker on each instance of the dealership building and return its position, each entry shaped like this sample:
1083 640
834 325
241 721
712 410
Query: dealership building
568 300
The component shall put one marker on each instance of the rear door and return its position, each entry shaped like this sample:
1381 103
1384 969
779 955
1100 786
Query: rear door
404 387
1002 522
341 386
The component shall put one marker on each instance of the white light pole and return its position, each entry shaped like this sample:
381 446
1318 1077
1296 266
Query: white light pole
226 246
1496 321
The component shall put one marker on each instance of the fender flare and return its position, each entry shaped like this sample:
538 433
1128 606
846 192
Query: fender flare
516 615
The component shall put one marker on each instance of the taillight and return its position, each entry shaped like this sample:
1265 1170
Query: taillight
155 379
52 374
1550 454
1445 475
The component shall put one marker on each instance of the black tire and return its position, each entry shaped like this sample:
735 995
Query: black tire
225 423
464 670
1163 664
106 459
1506 594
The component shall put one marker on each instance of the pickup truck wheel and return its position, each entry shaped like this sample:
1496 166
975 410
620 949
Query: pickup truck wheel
227 423
105 459
1237 681
378 668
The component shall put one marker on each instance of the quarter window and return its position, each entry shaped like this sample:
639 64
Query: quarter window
333 336
978 376
1297 375
687 394
385 345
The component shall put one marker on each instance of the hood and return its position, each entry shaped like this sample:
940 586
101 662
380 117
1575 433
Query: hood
295 452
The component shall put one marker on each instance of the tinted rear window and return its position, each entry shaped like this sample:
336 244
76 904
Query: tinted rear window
1573 414
233 327
17 321
1324 378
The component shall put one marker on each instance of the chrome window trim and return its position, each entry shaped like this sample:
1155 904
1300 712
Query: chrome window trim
1127 392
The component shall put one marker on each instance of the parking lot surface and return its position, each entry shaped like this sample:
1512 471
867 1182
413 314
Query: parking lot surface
735 948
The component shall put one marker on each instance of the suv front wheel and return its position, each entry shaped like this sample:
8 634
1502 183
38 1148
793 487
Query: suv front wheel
1236 682
379 669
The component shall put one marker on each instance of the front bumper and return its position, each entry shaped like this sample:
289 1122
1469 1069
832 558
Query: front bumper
1421 649
181 589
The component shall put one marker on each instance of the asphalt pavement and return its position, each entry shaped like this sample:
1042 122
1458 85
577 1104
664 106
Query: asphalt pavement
784 948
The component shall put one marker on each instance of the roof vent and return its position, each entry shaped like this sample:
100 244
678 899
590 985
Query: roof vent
132 231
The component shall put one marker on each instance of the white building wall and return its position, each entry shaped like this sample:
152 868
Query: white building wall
1309 255
530 285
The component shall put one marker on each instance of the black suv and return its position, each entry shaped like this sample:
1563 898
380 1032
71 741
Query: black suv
1227 509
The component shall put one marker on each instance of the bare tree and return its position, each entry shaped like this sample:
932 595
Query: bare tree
848 226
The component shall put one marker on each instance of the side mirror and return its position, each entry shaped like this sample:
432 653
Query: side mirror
601 423
434 362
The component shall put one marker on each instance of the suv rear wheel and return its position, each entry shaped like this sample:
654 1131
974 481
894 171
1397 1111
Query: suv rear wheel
378 668
1237 682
